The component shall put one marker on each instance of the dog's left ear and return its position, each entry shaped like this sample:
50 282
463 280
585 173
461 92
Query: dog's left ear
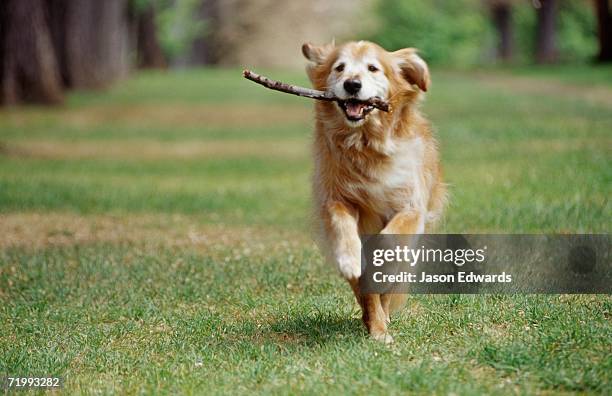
412 67
317 53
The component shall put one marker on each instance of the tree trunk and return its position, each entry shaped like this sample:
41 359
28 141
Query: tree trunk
96 42
203 49
28 67
502 19
546 51
57 24
604 30
150 54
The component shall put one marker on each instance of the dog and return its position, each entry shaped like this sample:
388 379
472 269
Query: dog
375 172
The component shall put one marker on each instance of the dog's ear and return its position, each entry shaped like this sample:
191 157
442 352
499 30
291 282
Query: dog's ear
317 53
412 67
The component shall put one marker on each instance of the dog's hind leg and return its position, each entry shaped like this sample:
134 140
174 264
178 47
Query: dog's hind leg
358 296
374 316
391 303
408 222
385 302
375 319
396 301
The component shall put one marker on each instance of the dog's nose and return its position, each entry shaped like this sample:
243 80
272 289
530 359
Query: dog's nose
352 86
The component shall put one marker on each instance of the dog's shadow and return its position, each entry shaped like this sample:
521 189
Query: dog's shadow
314 328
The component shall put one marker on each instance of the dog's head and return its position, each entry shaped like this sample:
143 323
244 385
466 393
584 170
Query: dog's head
357 71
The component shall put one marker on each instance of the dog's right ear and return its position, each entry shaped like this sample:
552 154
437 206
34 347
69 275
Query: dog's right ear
317 54
412 67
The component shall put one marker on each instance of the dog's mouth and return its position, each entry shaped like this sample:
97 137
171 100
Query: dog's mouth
354 109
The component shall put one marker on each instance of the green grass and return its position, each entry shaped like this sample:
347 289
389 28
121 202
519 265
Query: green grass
596 74
130 264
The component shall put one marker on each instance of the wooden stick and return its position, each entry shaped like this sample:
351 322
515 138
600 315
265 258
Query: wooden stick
377 102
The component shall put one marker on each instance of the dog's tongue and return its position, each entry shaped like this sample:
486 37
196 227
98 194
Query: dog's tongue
353 109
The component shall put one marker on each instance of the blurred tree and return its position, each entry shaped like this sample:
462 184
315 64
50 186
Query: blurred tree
49 45
148 49
467 32
203 50
263 32
501 14
446 32
56 11
575 31
91 39
604 29
28 67
546 51
179 24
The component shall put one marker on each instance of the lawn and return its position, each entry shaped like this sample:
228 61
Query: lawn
156 237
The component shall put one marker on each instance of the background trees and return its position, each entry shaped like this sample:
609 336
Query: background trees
149 51
501 16
95 45
546 51
470 32
48 46
604 29
29 69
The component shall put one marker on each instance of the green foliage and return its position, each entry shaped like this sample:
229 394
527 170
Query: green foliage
140 5
524 20
446 32
577 31
178 25
460 32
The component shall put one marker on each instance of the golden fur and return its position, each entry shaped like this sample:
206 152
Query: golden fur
379 175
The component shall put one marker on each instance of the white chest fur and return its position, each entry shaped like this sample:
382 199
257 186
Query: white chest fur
399 185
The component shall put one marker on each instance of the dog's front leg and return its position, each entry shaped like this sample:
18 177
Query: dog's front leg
343 235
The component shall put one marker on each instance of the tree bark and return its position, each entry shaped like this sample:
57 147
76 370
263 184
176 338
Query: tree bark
150 54
502 19
96 42
57 24
28 67
203 51
604 29
546 51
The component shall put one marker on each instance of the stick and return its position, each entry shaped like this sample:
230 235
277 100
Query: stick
377 102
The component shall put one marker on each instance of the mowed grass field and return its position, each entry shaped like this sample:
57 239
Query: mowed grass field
156 238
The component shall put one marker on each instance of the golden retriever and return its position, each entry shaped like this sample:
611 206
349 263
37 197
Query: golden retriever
375 172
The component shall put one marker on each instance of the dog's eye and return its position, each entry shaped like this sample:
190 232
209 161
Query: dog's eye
372 68
340 67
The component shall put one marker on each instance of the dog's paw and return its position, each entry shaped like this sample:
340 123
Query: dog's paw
385 338
349 266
